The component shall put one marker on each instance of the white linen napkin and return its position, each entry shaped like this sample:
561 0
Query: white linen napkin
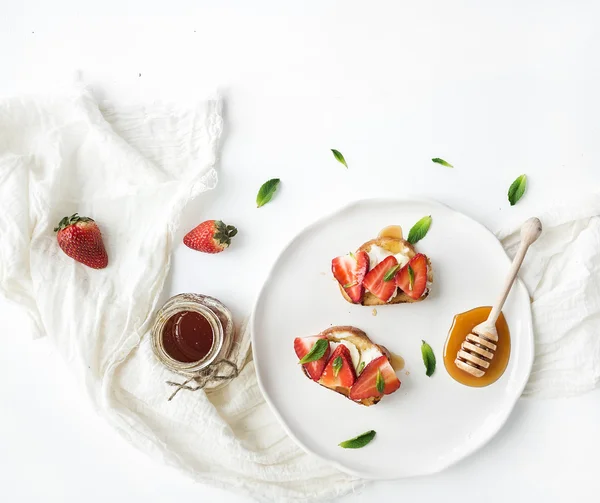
143 164
562 274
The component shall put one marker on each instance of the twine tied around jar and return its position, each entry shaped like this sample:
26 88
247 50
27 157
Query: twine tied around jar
207 374
219 364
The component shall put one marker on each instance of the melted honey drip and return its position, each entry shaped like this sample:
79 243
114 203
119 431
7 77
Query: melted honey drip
391 231
462 325
397 362
395 246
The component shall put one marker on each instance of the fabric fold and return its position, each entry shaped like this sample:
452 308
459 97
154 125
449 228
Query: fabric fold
562 274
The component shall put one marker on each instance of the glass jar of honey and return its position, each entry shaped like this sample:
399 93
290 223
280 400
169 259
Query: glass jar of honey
191 332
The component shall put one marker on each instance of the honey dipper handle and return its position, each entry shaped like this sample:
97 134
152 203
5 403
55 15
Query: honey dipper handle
530 231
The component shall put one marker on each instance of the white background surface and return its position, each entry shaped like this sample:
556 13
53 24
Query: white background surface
496 88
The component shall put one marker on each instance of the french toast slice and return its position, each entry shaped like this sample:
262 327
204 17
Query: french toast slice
364 346
393 246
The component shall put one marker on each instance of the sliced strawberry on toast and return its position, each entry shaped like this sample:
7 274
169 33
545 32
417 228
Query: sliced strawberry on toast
339 374
377 379
350 270
375 280
302 346
412 278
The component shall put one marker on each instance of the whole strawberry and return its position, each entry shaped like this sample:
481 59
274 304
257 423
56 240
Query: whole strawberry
80 238
212 236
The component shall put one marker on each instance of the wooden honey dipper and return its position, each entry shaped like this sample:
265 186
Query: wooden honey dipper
478 348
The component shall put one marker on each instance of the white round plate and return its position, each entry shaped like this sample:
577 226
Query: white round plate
430 422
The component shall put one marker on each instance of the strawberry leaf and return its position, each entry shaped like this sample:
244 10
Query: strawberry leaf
419 230
224 233
359 441
442 162
316 352
428 358
391 273
350 285
517 189
266 191
340 158
337 366
73 219
379 383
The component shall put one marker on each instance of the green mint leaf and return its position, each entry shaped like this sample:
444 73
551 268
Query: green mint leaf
338 155
428 358
411 278
517 189
337 366
358 442
419 230
442 162
316 352
380 383
361 367
266 191
352 255
391 273
350 285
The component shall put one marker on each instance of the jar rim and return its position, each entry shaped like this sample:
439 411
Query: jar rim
170 309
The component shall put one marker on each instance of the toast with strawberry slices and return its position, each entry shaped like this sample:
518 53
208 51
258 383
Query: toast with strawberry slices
349 363
373 275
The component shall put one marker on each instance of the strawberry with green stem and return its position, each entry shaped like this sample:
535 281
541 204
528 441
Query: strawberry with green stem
80 238
211 236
